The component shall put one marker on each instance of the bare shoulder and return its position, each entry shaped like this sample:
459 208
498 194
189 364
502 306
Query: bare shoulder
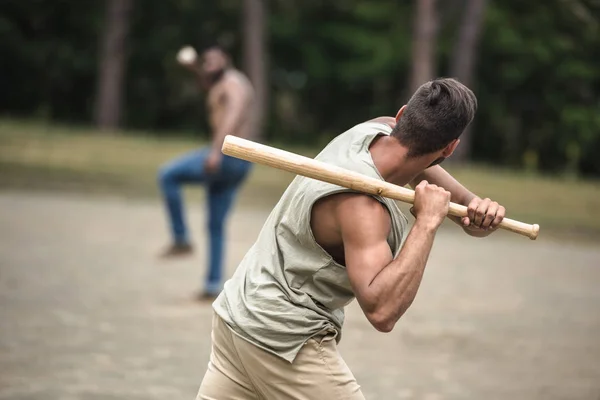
238 81
362 213
358 201
351 218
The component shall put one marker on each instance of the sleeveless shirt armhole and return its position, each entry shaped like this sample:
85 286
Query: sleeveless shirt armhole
331 193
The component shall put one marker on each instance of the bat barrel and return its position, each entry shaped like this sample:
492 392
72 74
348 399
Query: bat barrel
266 155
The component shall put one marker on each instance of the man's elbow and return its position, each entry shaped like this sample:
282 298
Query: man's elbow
384 327
384 320
381 322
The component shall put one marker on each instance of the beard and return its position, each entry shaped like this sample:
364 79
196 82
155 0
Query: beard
436 161
214 77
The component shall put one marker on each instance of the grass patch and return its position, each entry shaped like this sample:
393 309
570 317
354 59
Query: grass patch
41 157
45 157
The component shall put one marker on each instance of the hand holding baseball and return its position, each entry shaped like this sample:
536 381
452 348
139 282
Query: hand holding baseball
187 55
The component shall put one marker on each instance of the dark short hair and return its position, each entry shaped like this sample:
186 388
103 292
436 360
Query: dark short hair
210 44
436 114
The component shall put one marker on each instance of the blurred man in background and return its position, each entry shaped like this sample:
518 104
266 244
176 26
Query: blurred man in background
229 101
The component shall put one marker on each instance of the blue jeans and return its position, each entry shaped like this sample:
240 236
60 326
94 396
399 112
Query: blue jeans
222 186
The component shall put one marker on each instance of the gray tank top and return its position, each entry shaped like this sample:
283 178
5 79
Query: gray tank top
287 289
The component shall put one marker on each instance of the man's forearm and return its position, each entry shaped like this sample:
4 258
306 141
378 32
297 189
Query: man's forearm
227 127
217 140
232 116
459 194
439 176
396 286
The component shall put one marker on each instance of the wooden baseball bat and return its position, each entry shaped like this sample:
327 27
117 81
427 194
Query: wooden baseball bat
311 168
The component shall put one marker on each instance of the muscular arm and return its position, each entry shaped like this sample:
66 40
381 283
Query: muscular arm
232 114
195 69
461 195
384 287
438 176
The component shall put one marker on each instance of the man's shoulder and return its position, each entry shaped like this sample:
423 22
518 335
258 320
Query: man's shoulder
380 124
351 205
376 125
388 121
237 77
364 213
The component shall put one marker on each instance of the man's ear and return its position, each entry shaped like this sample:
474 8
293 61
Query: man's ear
400 111
450 148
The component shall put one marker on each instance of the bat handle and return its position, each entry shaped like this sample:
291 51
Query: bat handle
529 230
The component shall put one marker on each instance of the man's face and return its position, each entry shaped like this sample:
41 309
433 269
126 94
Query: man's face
214 62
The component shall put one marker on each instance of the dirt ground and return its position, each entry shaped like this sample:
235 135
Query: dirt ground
88 312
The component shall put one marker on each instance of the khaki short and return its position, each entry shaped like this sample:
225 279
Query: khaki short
239 370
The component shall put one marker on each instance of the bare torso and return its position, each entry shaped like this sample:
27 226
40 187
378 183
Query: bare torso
233 83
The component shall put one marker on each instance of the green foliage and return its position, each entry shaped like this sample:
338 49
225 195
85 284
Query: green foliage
48 57
539 82
332 64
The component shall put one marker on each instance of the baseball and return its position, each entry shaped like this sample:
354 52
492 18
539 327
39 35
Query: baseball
187 55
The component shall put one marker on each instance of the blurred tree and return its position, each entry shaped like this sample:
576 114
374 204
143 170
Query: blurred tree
425 29
462 65
336 64
539 86
255 55
112 64
48 58
331 64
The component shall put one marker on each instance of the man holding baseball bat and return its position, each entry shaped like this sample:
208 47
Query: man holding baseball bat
279 319
230 98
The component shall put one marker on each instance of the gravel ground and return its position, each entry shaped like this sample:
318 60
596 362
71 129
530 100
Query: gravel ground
87 311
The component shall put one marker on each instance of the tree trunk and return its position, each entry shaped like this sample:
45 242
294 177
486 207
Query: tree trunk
462 65
112 64
423 44
255 57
